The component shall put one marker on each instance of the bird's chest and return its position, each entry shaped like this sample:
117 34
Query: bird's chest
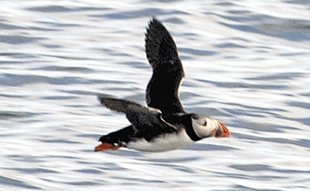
161 143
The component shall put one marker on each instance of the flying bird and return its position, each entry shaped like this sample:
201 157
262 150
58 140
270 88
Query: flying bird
163 124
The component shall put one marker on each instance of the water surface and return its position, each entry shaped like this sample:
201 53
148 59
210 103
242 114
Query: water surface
246 63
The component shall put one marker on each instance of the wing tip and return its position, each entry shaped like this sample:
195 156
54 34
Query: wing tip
154 21
156 35
112 103
102 99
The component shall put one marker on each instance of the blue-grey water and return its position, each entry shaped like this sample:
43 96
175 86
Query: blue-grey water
247 63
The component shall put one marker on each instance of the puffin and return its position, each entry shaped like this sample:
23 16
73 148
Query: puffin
162 125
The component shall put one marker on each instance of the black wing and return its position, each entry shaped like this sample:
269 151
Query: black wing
161 52
122 105
139 116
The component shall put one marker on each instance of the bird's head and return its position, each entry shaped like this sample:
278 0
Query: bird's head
205 126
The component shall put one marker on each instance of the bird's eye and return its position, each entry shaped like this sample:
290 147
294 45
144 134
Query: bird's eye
201 120
205 123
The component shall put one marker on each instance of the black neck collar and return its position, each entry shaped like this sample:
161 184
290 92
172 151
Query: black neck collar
190 129
185 120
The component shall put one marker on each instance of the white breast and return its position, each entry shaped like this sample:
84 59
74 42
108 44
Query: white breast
162 143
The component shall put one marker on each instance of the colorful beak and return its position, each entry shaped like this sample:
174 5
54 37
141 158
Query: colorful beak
222 131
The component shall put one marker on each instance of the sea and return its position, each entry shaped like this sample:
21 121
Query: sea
247 63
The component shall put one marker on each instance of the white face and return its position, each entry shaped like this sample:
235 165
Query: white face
205 126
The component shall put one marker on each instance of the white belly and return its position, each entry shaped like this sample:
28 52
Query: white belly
162 143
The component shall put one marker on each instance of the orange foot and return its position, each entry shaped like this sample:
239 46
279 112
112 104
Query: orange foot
106 146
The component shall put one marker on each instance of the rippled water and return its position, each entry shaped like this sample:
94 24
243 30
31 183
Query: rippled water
247 63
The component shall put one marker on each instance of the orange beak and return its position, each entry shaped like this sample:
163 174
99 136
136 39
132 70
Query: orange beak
222 131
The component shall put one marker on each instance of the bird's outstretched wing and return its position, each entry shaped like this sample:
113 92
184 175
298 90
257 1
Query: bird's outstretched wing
139 116
122 105
161 51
